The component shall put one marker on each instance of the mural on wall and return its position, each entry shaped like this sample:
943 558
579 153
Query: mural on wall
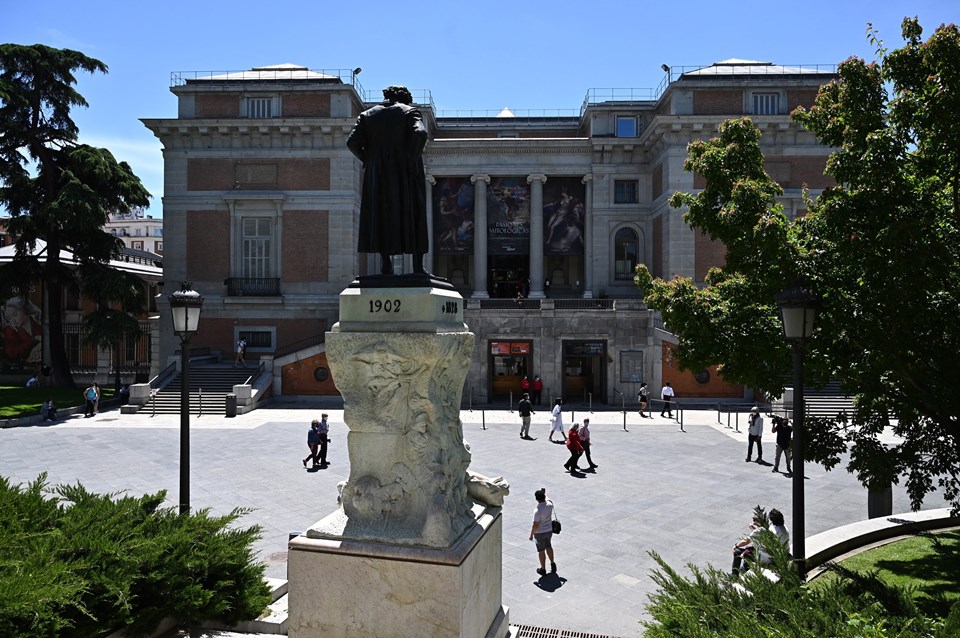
20 346
563 216
453 216
508 214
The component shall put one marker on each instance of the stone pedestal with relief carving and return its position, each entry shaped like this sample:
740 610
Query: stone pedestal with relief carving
409 552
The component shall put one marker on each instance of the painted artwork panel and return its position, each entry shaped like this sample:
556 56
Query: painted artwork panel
563 216
508 216
453 216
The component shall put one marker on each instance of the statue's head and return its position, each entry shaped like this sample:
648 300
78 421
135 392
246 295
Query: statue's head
398 94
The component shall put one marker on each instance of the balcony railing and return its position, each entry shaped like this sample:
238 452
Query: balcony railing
252 286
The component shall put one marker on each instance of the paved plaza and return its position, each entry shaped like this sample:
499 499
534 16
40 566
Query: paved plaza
686 495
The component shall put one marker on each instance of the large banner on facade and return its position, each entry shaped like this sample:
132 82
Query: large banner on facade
563 216
20 347
508 216
453 216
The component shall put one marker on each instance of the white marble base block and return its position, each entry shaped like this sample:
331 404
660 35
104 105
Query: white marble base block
415 547
357 589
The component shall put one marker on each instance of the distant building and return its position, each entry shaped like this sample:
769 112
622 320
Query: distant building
138 231
262 203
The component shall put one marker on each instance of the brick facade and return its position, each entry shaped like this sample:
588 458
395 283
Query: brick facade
214 173
208 244
688 385
306 105
300 378
305 241
218 105
718 102
709 253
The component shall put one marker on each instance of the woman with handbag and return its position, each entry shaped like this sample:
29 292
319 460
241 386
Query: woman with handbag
542 531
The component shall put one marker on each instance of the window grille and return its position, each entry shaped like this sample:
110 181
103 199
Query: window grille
766 103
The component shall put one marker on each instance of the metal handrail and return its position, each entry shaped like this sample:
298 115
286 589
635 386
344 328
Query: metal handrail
259 371
154 382
309 342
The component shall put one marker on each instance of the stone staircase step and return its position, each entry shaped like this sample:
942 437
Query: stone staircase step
272 622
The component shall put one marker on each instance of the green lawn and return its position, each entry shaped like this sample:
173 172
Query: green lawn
930 563
16 401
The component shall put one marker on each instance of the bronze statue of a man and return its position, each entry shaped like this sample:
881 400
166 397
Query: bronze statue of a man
389 140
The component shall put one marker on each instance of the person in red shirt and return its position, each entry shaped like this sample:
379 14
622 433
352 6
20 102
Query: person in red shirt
524 386
536 387
575 446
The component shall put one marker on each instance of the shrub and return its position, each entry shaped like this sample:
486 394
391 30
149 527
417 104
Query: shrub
707 605
84 564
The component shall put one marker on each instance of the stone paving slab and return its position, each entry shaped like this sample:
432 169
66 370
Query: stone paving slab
686 495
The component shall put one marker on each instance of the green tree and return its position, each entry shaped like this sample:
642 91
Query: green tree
56 190
881 248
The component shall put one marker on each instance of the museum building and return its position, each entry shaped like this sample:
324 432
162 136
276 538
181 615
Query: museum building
537 219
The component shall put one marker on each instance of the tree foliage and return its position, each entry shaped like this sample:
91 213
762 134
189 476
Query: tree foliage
57 190
881 248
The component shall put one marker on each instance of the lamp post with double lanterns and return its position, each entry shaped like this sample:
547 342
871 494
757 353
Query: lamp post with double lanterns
185 306
798 309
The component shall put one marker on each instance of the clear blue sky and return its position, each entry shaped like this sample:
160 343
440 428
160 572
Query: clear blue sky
470 55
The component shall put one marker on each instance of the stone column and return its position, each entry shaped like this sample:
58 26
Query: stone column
588 237
428 258
536 235
480 236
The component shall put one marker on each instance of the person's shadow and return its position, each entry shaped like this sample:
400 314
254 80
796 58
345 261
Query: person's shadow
550 582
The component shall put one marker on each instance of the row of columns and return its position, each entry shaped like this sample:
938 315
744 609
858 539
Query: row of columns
535 266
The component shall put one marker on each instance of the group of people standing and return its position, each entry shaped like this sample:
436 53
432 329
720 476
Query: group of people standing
781 427
532 388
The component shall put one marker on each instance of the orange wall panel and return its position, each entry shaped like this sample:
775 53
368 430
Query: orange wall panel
301 377
686 385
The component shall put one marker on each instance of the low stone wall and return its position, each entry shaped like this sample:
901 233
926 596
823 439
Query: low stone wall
828 545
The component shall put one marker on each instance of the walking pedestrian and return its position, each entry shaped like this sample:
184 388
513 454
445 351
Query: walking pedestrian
783 430
575 445
666 394
754 433
241 359
542 531
313 439
90 399
323 431
643 398
585 441
556 420
525 409
536 386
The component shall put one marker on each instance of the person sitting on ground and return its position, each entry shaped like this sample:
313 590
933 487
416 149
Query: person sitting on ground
48 410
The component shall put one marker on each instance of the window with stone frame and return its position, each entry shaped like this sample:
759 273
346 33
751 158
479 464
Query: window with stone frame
625 191
626 253
261 106
258 247
627 126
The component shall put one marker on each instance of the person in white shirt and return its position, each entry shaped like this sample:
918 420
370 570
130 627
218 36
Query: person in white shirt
542 531
667 395
754 433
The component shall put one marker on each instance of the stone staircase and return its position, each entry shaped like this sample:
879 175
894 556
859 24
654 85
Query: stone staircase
826 402
209 387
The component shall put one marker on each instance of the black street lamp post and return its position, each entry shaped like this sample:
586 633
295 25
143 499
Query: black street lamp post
185 306
798 309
